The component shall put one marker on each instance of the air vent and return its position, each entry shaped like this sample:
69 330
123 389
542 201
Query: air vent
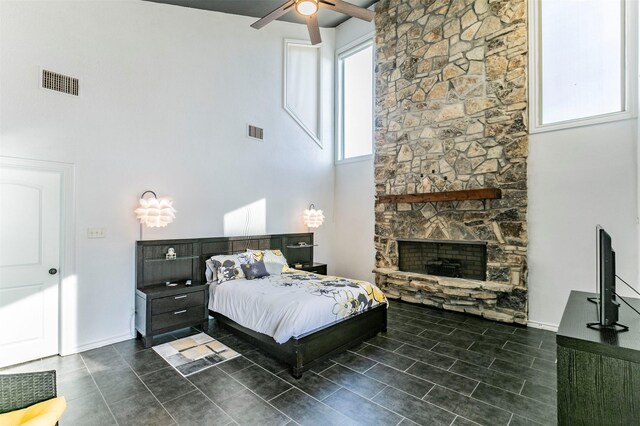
256 132
60 83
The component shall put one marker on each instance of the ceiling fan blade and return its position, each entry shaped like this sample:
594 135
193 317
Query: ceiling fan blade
314 29
349 9
273 15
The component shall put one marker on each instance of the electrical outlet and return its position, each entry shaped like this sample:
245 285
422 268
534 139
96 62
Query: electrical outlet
96 232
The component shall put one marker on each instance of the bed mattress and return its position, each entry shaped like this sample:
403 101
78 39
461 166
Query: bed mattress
292 304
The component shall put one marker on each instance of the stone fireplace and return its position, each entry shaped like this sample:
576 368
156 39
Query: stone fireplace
454 259
451 102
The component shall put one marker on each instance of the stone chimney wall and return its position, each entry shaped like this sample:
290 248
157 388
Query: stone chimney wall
451 114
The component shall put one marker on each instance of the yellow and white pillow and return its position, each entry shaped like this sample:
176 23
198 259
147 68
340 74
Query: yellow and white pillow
274 260
226 267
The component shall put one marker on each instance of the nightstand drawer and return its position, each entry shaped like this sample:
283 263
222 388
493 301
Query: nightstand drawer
176 317
177 302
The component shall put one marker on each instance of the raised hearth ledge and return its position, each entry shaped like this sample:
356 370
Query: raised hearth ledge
489 299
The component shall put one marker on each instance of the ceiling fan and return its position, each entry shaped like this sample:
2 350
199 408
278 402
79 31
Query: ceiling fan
309 9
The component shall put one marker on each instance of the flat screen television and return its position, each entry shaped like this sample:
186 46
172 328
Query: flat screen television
606 281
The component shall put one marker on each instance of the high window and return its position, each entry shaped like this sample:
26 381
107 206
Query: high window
354 112
580 56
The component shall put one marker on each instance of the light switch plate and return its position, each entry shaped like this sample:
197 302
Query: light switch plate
96 232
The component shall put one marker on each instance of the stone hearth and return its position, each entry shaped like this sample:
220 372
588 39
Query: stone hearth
451 107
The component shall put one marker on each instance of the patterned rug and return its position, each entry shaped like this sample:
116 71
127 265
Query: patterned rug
195 353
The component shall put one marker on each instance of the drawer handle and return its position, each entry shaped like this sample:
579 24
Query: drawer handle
180 312
180 297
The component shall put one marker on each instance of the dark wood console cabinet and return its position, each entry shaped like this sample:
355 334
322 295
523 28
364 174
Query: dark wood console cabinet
598 371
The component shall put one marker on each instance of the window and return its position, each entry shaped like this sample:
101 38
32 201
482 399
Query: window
354 121
303 86
580 56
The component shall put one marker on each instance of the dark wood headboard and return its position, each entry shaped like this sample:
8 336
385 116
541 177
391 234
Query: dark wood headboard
152 267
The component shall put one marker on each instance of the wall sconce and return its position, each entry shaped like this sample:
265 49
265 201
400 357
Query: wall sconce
154 212
313 218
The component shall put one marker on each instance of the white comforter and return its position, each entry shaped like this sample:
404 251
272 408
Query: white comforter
292 304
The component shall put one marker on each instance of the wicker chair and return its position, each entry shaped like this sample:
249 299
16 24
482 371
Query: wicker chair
18 391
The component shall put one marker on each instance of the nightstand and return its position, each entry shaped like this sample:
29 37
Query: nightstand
160 309
315 267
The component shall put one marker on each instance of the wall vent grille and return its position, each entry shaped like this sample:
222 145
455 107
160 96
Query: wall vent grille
59 82
256 132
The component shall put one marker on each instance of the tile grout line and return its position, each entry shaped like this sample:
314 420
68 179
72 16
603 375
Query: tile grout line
451 366
474 389
407 369
396 349
281 393
322 400
379 392
342 387
448 369
428 392
367 399
147 387
522 387
212 401
258 396
99 390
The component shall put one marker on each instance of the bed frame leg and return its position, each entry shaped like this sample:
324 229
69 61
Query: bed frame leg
296 369
296 373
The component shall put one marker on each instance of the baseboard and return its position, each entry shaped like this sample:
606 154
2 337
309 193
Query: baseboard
97 344
543 326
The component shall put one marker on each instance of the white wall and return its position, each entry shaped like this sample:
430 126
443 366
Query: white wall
579 178
353 250
165 96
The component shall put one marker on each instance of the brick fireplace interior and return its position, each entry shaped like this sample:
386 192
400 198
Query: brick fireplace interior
455 259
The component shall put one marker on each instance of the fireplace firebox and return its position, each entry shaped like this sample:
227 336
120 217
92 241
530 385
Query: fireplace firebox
457 259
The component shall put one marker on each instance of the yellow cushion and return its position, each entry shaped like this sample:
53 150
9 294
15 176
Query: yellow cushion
45 413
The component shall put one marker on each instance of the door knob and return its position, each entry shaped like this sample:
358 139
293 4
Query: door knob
53 271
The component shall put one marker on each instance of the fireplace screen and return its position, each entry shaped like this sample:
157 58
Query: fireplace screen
444 258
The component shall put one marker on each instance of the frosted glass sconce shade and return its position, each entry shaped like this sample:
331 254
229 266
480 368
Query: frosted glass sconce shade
313 218
155 212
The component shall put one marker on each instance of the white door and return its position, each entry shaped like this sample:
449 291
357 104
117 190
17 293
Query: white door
29 261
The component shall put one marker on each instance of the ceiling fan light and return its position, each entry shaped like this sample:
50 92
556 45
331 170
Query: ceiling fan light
307 7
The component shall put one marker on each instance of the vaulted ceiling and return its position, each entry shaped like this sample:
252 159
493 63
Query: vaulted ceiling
260 8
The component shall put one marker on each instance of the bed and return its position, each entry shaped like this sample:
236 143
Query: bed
299 317
353 310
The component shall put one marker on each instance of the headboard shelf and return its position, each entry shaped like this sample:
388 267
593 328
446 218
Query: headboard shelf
162 259
153 268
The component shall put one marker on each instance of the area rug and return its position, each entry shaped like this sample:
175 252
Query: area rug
192 354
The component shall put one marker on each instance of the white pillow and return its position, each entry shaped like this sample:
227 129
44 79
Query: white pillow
210 273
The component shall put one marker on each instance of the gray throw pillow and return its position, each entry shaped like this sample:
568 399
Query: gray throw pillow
254 270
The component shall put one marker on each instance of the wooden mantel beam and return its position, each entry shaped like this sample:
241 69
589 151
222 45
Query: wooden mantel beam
434 197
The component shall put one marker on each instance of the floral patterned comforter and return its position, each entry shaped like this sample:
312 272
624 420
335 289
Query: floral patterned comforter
294 303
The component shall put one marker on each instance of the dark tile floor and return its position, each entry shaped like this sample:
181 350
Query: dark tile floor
431 367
